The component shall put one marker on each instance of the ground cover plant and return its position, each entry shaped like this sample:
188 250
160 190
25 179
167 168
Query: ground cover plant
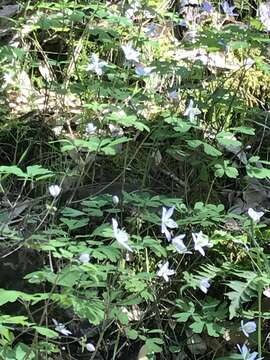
134 180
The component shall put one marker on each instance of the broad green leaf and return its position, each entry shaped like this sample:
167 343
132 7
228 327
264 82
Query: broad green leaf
211 150
132 334
197 326
9 296
73 224
12 170
38 172
231 172
46 332
256 172
153 345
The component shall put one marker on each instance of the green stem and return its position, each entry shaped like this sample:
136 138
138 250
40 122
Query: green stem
260 322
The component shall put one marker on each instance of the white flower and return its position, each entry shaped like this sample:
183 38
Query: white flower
167 222
96 65
153 30
90 129
84 258
191 112
246 355
267 292
115 200
54 190
201 240
61 328
204 285
121 235
264 15
180 247
255 215
164 271
142 70
173 95
134 7
248 328
130 53
228 9
90 347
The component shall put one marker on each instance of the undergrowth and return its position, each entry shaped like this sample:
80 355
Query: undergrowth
134 180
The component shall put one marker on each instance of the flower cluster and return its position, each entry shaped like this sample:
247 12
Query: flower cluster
200 240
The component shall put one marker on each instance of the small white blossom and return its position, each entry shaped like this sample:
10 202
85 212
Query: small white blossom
142 70
228 10
54 190
264 14
180 247
192 112
96 65
267 292
204 285
200 241
248 327
246 354
255 215
130 53
90 129
153 30
164 271
207 7
84 258
115 200
121 235
173 95
90 347
167 222
134 7
61 328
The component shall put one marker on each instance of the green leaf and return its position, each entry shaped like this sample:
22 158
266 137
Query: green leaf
197 326
14 170
69 212
219 170
38 172
182 317
73 224
46 332
120 315
259 173
231 172
213 329
243 291
211 150
8 296
132 334
243 130
152 345
92 309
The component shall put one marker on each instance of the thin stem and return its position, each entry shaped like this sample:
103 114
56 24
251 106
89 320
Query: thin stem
260 322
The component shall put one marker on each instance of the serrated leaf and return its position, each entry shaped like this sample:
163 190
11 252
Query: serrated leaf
242 291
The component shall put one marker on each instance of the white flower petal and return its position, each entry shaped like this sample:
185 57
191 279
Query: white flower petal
204 285
84 258
267 292
54 190
90 347
168 213
255 215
